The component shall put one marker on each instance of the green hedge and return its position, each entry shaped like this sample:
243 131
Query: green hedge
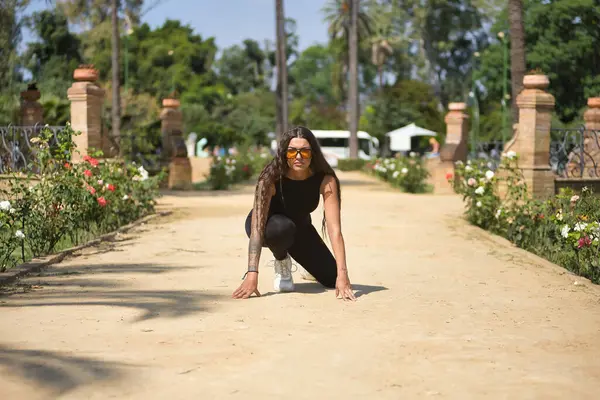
351 164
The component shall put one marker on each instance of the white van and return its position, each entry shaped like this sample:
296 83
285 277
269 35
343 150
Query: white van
336 145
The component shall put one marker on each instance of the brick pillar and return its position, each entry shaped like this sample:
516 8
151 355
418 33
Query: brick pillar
32 112
453 150
532 142
174 149
86 111
592 114
592 136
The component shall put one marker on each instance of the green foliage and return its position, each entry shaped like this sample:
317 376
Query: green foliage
351 164
564 229
9 109
404 103
311 75
171 57
561 38
55 49
68 203
227 171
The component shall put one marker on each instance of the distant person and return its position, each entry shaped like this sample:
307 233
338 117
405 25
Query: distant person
435 148
287 192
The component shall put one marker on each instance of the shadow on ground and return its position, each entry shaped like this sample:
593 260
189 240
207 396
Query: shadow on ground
357 182
314 288
69 286
140 268
58 372
151 303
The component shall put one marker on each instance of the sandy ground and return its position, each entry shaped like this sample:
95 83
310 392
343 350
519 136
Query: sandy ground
444 311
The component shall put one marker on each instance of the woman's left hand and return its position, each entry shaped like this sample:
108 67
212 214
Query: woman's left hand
343 287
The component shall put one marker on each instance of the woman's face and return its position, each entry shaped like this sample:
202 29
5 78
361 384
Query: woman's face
299 154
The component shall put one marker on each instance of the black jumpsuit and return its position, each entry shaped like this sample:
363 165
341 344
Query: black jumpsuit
289 228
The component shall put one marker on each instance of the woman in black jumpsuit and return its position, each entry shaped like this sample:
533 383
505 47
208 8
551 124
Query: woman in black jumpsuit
288 190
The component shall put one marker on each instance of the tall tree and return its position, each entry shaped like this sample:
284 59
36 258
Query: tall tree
337 16
282 80
517 51
54 54
116 74
92 15
353 86
10 35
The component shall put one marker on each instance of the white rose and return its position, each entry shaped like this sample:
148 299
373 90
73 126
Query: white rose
5 205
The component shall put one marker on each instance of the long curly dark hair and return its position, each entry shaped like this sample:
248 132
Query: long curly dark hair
275 170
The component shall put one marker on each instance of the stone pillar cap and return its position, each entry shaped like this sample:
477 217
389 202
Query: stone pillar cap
593 102
540 82
457 106
171 103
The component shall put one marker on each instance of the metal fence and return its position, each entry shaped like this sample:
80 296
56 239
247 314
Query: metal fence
487 151
575 152
17 153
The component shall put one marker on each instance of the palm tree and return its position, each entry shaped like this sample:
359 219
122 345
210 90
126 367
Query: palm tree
281 61
337 16
517 51
116 76
385 36
353 92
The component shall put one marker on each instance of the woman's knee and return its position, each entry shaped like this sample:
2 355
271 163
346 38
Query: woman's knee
280 231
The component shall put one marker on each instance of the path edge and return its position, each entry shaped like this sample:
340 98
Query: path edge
538 261
37 264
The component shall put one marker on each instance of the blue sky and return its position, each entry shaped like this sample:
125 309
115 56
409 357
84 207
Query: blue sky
232 21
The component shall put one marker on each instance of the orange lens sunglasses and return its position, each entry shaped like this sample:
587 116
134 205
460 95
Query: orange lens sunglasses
293 153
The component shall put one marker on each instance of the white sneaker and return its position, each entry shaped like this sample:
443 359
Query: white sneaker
306 275
283 281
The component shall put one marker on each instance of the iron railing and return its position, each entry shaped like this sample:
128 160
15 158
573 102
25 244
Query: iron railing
487 151
17 152
575 153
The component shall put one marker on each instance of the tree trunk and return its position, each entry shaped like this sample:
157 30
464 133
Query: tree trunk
517 52
116 87
282 79
353 86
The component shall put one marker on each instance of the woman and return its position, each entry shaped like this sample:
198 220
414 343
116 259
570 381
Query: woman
287 192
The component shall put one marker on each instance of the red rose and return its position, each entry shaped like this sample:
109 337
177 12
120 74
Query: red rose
110 187
87 173
584 242
102 201
93 162
449 176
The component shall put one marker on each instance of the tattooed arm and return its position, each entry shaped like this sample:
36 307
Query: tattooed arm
262 199
260 212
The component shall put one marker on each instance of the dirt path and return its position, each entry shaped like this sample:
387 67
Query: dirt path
445 311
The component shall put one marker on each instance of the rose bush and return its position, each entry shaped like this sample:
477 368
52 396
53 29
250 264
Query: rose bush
407 173
229 170
65 204
564 229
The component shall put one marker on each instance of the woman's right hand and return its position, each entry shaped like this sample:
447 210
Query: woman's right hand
248 287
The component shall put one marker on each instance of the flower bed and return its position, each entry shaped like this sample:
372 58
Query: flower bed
406 173
564 229
226 171
67 204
